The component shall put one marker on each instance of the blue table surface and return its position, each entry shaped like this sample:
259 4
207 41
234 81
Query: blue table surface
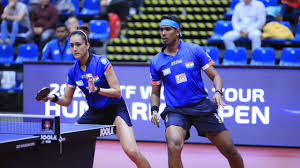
64 128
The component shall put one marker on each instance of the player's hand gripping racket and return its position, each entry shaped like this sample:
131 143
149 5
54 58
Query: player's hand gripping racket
42 93
156 119
91 84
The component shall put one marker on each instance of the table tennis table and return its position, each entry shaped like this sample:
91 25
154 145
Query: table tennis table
74 147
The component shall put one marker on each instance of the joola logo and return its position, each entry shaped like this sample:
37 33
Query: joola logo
46 139
106 131
176 62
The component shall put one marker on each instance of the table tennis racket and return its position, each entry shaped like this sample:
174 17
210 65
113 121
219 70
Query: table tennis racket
42 93
156 120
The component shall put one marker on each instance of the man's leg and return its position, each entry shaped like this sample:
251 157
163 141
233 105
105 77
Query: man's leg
254 36
46 36
229 38
14 31
224 143
4 31
175 140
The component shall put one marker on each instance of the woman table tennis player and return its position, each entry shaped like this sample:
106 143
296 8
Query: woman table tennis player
95 76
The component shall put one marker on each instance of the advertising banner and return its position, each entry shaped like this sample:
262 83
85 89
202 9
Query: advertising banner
263 104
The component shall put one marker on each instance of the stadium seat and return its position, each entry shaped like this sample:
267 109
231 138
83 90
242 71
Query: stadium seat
290 57
27 52
124 42
270 2
213 52
76 6
90 8
229 13
4 2
296 40
24 1
197 41
99 30
221 27
263 56
237 56
6 53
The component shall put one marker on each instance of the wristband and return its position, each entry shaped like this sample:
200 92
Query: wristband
154 108
55 99
219 91
98 89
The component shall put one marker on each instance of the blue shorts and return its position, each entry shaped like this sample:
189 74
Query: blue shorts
203 116
106 115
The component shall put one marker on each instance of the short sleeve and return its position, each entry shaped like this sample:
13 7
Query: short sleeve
203 58
70 82
154 75
106 64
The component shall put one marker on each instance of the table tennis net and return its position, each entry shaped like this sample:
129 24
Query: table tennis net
29 124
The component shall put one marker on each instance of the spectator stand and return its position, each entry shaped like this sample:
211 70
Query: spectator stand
11 79
141 41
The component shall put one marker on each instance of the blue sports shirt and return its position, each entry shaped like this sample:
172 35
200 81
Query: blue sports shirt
181 74
97 66
53 51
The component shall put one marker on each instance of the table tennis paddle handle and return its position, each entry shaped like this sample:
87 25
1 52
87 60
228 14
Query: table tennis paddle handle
157 120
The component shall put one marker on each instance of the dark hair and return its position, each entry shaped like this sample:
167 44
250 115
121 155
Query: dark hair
83 31
172 17
60 25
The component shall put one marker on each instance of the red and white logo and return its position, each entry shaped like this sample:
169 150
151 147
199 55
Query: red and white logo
47 125
181 78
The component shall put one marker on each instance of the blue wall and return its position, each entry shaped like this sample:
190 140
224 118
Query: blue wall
263 104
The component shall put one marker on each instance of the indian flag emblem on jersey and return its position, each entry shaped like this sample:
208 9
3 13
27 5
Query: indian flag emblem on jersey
96 78
189 64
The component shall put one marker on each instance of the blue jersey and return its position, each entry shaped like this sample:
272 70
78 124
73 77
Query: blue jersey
181 74
97 66
54 51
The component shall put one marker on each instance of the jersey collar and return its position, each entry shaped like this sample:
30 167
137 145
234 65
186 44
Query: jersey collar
88 61
164 47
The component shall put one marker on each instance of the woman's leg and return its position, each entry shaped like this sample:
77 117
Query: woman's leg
128 143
